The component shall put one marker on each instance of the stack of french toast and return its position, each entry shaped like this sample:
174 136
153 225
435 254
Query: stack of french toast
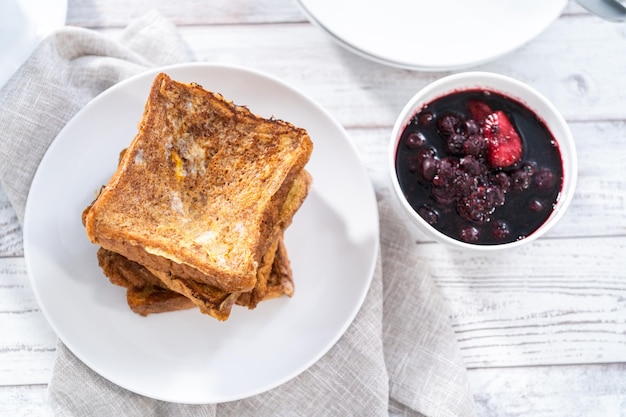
195 214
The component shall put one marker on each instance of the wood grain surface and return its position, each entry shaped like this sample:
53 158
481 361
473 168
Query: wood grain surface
542 329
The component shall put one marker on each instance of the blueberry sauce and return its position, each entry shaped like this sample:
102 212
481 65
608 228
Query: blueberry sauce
446 169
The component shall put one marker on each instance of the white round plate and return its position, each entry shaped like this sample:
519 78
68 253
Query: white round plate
23 24
433 35
185 356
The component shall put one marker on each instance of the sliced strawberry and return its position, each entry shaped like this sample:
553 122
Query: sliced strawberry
479 110
505 144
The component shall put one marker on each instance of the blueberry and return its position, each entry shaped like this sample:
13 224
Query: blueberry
426 153
472 166
428 168
443 195
521 178
502 181
470 234
544 179
455 144
478 206
415 140
446 171
425 118
500 230
535 205
494 196
471 127
475 145
429 214
448 124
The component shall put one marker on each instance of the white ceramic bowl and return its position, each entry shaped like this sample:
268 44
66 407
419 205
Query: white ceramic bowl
508 87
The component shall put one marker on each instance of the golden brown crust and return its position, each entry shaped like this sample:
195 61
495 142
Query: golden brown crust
149 293
209 299
200 167
295 199
298 193
265 269
151 300
279 282
145 298
124 273
145 293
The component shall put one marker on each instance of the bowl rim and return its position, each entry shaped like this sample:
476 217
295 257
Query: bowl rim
508 86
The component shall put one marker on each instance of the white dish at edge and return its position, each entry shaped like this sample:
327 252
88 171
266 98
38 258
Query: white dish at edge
433 35
188 357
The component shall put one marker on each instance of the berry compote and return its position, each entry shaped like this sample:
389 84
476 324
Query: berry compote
480 167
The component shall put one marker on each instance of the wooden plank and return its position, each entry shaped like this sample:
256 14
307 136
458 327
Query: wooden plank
26 365
11 243
24 401
27 343
117 13
551 391
556 301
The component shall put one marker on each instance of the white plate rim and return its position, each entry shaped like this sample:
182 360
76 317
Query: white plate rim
347 320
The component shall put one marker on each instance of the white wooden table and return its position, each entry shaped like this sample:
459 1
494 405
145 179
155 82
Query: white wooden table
542 329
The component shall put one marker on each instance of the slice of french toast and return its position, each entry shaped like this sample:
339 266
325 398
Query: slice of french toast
199 190
146 294
145 282
298 193
152 300
279 282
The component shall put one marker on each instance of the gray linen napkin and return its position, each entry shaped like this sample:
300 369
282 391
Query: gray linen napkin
416 371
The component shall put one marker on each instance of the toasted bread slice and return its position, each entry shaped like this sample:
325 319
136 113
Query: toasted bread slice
209 299
279 282
295 199
203 295
198 192
152 300
213 301
145 285
145 293
144 297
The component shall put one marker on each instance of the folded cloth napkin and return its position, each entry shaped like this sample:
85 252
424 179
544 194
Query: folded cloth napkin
398 357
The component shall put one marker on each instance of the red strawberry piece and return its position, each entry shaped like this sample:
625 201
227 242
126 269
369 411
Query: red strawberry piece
479 110
504 143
